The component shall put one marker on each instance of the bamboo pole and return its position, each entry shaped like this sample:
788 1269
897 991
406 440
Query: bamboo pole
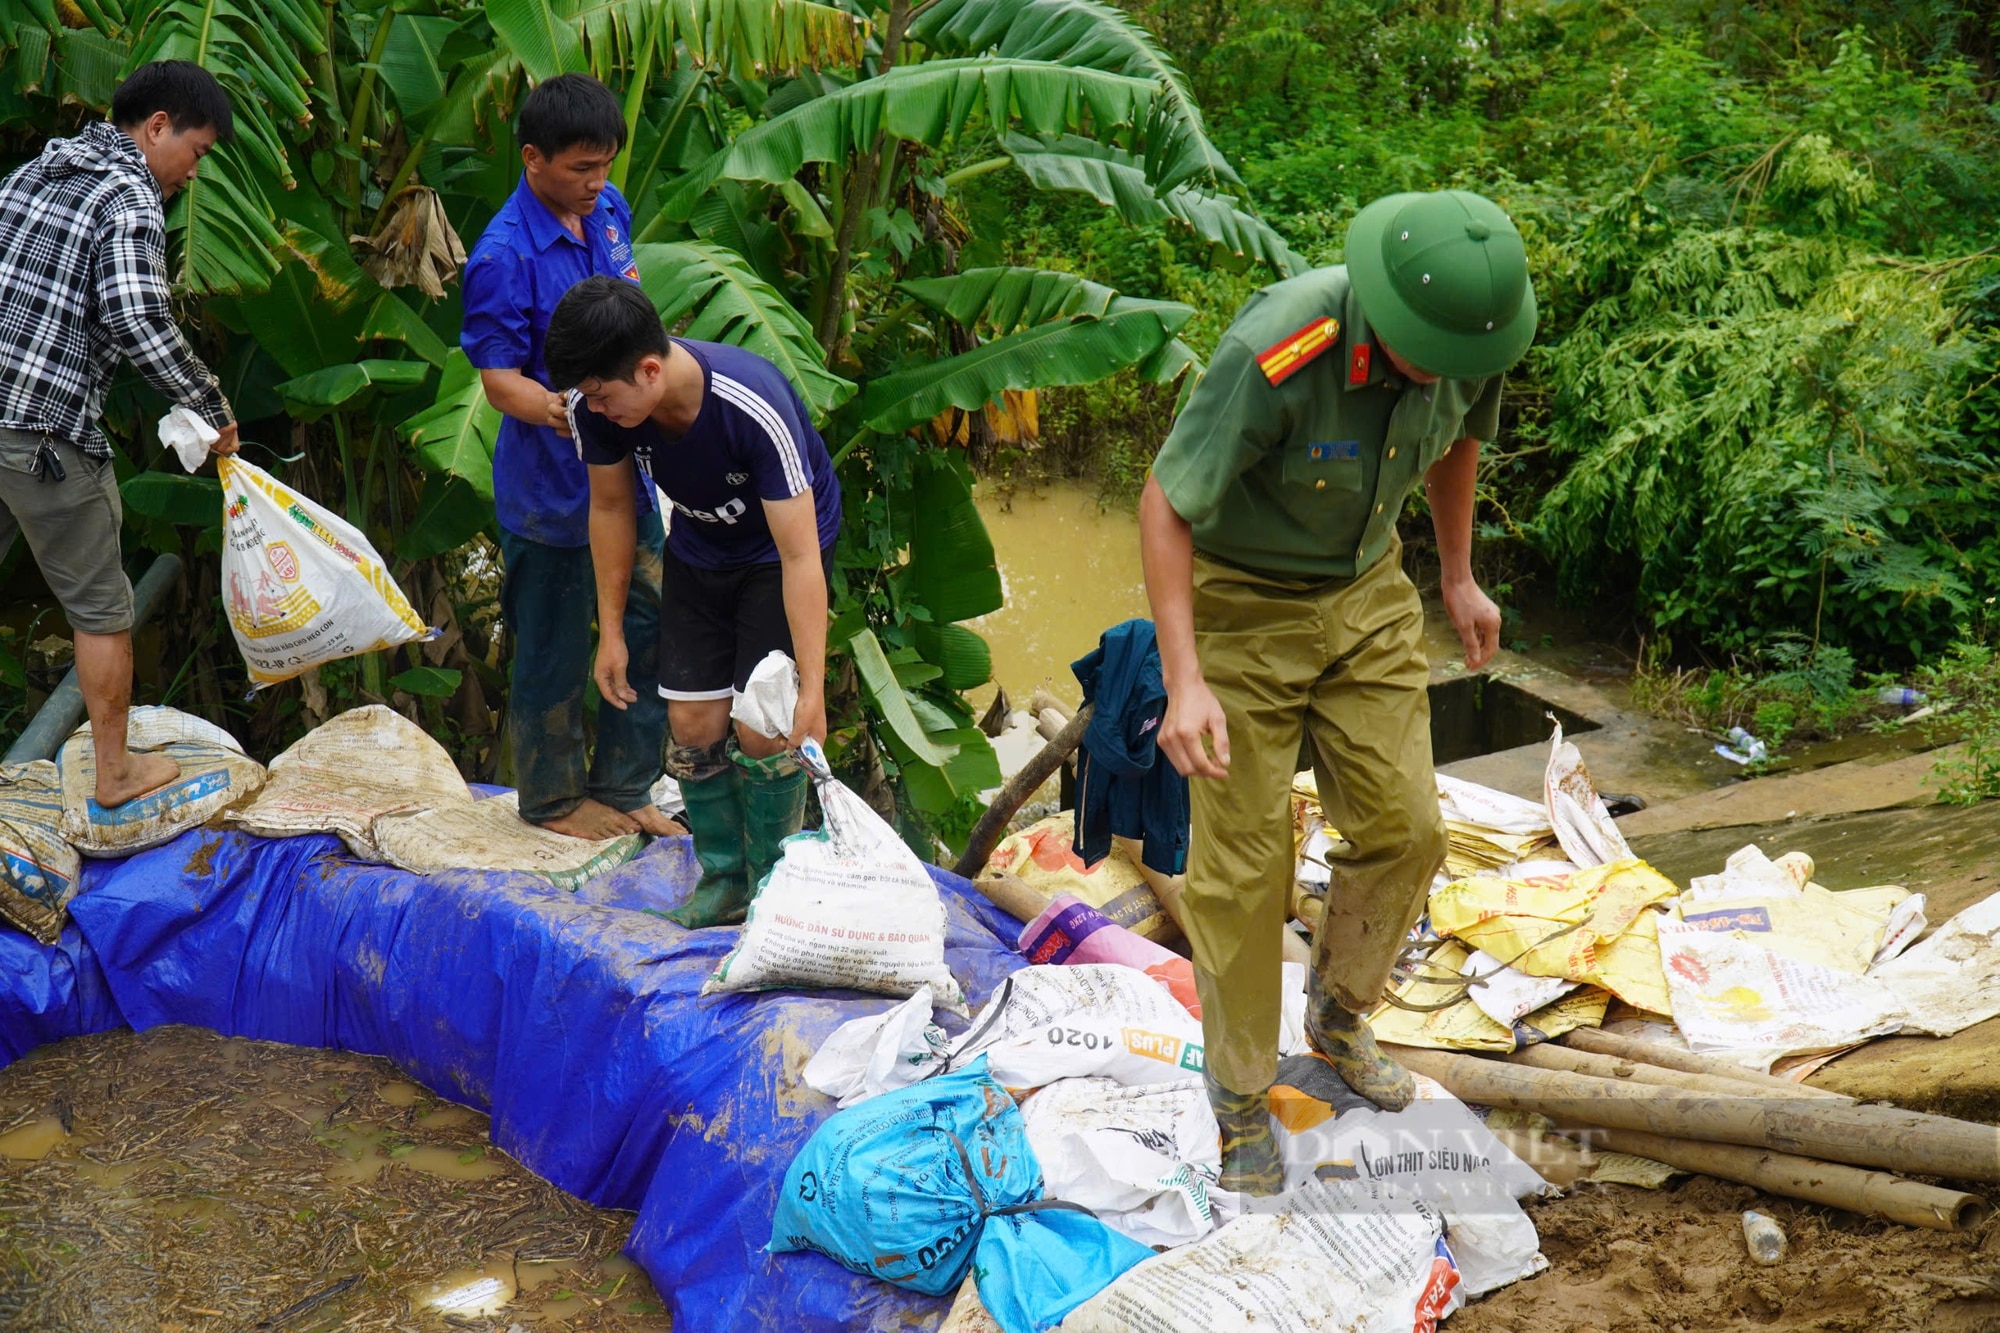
1877 1136
1556 1160
1870 1193
1632 1071
987 832
1599 1042
1013 896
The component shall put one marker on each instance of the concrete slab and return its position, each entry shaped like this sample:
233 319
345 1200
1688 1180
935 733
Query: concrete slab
1879 782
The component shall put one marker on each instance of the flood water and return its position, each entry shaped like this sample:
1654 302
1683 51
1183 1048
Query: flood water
1069 567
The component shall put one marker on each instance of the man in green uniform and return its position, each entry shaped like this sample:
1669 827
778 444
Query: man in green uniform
1268 530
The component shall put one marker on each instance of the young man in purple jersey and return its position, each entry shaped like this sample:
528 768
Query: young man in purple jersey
729 441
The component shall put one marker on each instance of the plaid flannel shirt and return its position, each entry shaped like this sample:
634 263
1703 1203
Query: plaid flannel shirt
83 279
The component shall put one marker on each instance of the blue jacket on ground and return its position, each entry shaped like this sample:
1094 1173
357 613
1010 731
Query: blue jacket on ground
1125 786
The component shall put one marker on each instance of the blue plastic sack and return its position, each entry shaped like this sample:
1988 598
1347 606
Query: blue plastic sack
917 1185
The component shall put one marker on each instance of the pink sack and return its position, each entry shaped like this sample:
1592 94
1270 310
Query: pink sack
1070 930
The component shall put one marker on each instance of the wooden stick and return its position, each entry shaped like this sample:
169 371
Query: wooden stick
1632 1071
1870 1193
1599 1042
987 832
1015 897
1554 1159
1878 1136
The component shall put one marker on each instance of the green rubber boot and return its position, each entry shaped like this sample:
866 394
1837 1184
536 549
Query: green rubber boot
713 792
1348 1044
774 808
1250 1162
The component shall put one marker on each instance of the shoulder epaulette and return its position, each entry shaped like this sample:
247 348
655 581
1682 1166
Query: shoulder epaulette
1282 359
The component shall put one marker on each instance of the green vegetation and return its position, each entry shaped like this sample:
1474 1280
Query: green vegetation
1760 428
798 173
1763 413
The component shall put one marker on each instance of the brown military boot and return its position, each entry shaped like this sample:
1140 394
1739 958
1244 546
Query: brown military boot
1250 1163
1343 1037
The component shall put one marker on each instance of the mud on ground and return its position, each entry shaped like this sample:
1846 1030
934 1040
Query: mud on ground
194 1184
1623 1260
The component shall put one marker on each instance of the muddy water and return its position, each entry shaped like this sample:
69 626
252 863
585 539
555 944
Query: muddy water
1070 569
182 1181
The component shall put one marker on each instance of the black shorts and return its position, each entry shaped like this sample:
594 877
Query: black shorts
716 625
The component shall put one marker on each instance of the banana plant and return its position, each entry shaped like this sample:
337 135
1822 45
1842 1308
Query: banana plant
800 172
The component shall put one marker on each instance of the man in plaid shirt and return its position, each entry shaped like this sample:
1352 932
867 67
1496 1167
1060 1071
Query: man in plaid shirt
83 281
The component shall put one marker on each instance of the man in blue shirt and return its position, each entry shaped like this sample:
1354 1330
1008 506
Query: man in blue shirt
723 433
564 223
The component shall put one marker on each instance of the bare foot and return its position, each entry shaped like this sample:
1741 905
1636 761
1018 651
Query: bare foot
138 775
651 819
592 820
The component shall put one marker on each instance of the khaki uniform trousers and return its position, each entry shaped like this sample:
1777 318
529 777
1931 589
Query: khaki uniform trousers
1341 662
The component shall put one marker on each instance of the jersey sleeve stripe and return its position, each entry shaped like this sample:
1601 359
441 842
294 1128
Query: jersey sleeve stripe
760 410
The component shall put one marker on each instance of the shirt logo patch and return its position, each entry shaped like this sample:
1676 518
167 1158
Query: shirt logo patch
610 232
632 272
1334 449
1357 365
736 478
1283 359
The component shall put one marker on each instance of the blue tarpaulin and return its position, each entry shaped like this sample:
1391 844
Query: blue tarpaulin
574 1019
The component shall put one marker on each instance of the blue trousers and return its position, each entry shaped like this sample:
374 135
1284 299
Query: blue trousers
548 596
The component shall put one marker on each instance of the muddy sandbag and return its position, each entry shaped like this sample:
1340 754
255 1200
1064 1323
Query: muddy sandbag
349 771
919 1185
848 906
215 774
41 867
1143 1159
491 835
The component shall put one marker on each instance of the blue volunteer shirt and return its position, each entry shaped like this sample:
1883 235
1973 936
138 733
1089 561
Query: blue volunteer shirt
524 262
753 440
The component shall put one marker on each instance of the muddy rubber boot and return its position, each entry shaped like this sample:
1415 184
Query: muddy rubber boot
1348 1044
712 788
774 808
1250 1163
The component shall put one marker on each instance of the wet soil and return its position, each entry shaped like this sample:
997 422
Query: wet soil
183 1182
1624 1259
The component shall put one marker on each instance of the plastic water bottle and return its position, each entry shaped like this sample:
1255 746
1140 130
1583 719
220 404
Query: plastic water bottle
1765 1238
1748 745
1900 696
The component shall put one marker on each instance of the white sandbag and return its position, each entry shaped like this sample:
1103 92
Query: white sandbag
349 771
302 586
1465 802
1091 1020
1729 993
491 835
1583 823
769 697
866 1057
1951 980
1143 1159
215 774
1334 1257
1507 994
1748 873
40 866
848 906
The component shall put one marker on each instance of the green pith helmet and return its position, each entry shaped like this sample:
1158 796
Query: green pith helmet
1443 279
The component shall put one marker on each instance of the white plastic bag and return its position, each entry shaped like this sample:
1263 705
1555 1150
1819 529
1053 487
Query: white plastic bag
188 436
40 866
1729 993
770 697
215 774
870 1056
1092 1020
848 906
1143 1159
302 587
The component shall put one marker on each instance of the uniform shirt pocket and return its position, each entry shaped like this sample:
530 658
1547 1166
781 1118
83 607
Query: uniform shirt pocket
1325 465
